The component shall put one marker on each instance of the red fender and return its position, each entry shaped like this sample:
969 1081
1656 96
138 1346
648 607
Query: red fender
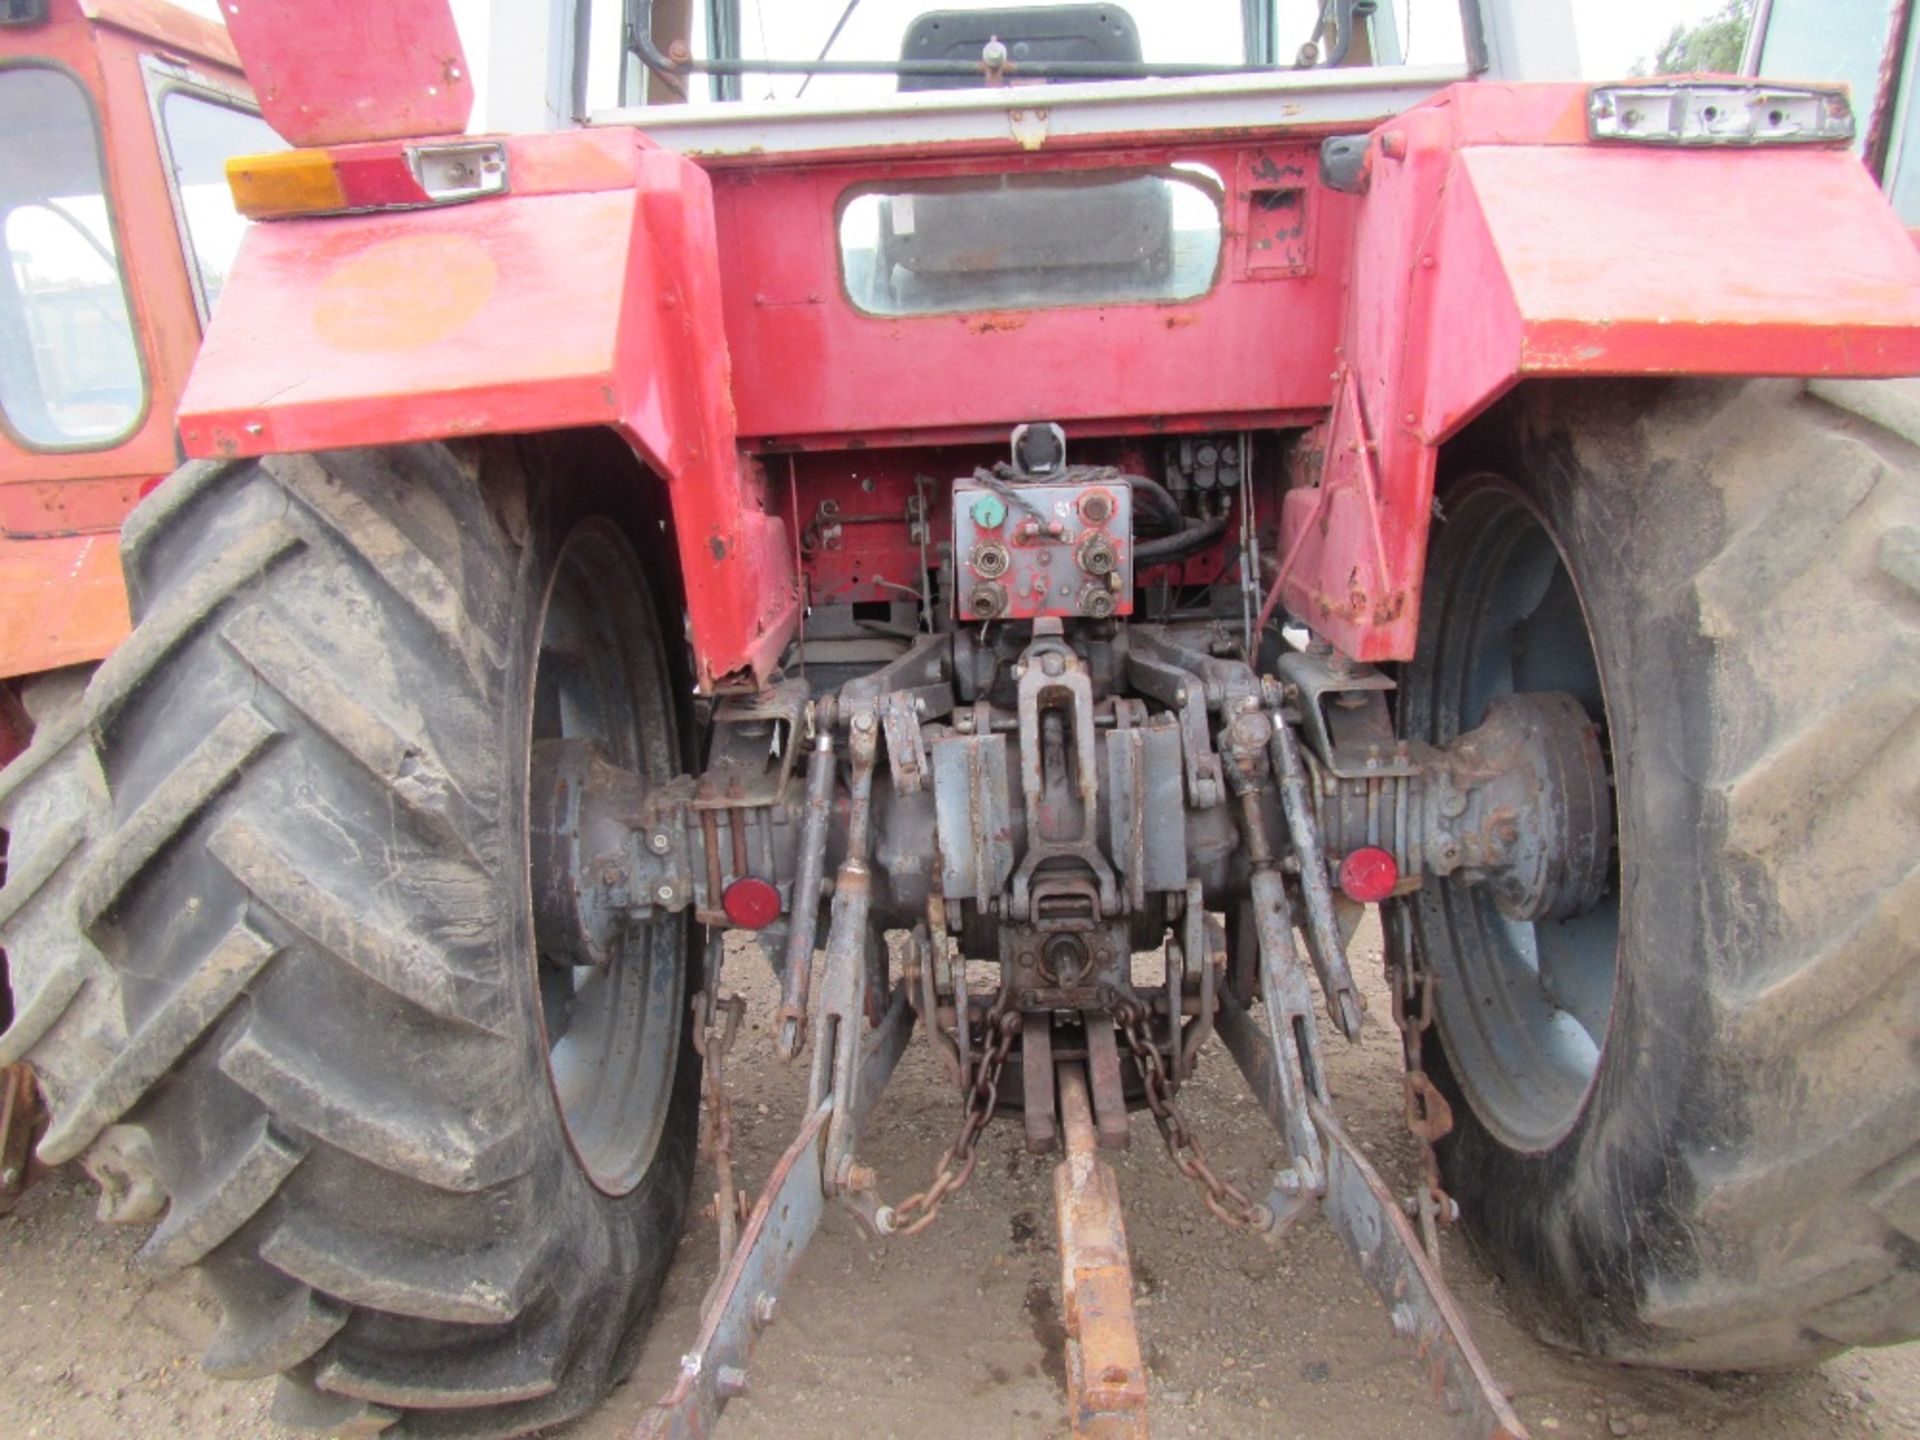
589 295
1496 244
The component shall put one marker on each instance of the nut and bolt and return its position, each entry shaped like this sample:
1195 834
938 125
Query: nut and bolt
1052 665
1251 730
664 894
855 1178
1404 1324
659 842
730 1382
764 1306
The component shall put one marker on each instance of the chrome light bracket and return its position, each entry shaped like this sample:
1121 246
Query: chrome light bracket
1719 112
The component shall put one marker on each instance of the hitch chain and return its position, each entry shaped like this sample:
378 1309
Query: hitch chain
1429 1117
717 1023
1223 1198
917 1212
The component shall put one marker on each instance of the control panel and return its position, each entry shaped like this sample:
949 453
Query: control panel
1026 550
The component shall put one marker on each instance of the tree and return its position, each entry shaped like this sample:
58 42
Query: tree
1712 45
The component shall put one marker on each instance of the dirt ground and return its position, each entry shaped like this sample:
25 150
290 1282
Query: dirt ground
955 1333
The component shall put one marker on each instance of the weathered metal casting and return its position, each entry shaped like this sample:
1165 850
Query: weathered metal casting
1030 550
1093 798
1521 804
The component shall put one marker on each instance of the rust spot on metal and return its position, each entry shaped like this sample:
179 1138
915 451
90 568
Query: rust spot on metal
1106 1378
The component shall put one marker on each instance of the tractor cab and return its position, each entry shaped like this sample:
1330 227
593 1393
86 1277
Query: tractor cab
116 119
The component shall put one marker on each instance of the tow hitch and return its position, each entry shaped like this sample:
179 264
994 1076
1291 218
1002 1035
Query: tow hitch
1153 843
1106 1378
1087 1034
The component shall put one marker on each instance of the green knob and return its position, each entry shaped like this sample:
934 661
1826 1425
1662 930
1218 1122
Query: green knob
989 511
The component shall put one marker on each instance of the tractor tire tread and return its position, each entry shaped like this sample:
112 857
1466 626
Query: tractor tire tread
268 862
1749 540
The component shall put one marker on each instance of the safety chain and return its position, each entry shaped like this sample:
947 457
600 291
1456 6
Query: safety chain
917 1212
1224 1199
1429 1117
717 1023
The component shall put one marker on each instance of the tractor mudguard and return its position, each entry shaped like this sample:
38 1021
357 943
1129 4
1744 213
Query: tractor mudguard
1496 243
589 295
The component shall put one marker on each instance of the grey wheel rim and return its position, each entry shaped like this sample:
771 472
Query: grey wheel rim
612 1036
1523 1008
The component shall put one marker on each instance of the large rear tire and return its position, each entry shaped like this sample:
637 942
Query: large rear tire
295 946
1688 1124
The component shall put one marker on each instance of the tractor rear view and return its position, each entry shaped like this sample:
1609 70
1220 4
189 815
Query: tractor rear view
1038 550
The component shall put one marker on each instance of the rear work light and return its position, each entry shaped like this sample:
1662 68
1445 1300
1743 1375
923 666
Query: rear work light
290 183
1719 112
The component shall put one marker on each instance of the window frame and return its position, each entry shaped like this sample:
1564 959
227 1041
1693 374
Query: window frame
115 233
165 77
1905 136
1203 179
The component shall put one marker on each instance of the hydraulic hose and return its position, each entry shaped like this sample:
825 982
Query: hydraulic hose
1196 536
1154 496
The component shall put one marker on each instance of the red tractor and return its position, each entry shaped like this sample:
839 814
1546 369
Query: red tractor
1077 513
116 120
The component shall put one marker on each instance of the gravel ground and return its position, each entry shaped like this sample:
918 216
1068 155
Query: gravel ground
956 1332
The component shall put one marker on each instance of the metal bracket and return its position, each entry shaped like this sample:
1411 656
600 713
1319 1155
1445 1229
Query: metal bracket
714 1371
1317 678
749 763
906 749
1050 674
1186 695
